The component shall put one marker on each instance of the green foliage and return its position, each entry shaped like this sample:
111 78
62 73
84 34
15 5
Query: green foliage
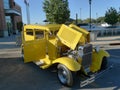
80 21
100 20
57 11
119 15
111 16
88 20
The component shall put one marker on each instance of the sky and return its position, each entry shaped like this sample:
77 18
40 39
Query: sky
81 7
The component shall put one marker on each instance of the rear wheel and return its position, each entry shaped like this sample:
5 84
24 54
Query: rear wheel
65 75
104 63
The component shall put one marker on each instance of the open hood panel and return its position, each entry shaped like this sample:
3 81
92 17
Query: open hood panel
69 36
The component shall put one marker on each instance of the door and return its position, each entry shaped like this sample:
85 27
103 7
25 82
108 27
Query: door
35 49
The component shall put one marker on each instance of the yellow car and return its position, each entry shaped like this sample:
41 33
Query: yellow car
68 47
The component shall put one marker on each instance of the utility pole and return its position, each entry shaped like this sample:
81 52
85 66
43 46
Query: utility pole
80 14
96 17
90 12
27 11
76 18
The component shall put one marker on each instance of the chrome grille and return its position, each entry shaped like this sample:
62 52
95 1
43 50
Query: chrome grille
87 56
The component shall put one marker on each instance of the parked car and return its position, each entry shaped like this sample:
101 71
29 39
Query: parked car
66 47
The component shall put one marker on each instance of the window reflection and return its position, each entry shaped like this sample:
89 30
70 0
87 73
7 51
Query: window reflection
6 4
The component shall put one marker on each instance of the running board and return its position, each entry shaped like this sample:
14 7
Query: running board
39 63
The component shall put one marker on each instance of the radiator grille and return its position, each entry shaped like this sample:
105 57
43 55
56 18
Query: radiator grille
87 57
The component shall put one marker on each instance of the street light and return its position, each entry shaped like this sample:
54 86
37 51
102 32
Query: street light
90 12
27 11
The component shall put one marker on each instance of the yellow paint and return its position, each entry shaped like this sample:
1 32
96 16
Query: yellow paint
97 60
85 33
69 63
33 50
52 49
47 48
69 36
48 28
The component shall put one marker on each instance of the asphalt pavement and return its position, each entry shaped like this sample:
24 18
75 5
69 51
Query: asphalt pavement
17 75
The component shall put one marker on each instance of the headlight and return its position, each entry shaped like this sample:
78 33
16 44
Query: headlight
97 48
80 51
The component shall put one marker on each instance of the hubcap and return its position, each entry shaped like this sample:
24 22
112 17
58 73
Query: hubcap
62 74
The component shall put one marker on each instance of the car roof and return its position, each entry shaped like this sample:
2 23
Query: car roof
49 27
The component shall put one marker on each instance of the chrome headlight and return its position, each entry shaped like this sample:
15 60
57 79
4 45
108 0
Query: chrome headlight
80 51
97 48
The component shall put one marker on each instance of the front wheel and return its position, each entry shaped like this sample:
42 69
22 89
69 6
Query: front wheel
65 75
104 63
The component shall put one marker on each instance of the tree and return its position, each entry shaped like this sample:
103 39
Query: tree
80 21
119 15
57 11
88 20
111 16
100 20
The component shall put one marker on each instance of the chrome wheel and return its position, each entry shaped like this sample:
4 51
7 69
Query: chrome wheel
65 75
62 74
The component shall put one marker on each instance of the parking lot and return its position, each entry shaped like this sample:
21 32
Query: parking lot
16 75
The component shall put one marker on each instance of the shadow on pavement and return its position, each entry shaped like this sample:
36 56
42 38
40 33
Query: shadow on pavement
15 75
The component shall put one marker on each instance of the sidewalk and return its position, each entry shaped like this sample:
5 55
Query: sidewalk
8 47
113 40
10 42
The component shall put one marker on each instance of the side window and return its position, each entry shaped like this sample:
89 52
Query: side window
39 34
29 35
29 32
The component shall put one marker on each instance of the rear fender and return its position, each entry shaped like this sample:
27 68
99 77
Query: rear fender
97 58
71 64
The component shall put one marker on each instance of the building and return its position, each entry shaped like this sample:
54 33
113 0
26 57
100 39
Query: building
10 16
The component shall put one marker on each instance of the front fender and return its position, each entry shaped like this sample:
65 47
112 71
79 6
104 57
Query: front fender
97 58
71 64
103 53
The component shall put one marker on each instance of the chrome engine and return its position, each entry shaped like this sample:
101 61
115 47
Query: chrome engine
84 52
